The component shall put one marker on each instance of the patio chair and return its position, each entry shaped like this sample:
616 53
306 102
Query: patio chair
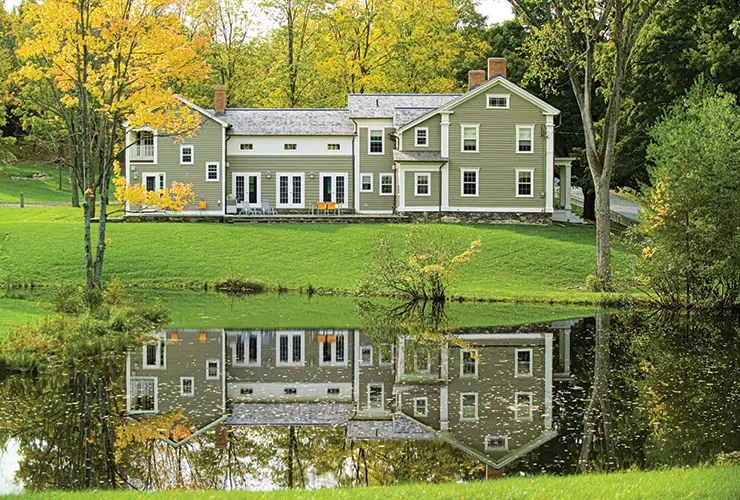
320 207
244 208
331 207
266 209
232 208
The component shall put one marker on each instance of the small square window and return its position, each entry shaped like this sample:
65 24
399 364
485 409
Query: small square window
523 406
366 355
420 407
366 184
246 391
333 147
290 147
187 386
246 147
422 137
386 184
212 171
186 154
212 369
290 391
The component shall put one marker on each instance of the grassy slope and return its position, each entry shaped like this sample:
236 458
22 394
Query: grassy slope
34 190
718 482
44 246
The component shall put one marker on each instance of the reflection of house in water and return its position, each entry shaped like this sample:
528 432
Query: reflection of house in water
491 398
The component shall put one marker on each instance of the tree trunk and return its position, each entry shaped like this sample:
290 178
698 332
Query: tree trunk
603 230
589 205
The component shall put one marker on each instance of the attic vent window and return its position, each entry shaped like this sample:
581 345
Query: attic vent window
333 147
333 391
246 391
497 101
290 147
290 391
246 147
496 443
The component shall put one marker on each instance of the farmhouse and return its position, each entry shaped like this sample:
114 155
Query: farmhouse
487 153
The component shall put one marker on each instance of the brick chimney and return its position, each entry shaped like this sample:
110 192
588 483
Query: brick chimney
476 77
219 100
496 66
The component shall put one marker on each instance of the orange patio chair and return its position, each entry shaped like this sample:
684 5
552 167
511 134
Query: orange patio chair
331 207
320 205
202 205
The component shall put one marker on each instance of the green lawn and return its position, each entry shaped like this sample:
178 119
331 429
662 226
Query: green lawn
17 177
716 483
518 262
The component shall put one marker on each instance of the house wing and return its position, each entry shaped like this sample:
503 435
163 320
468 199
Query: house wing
546 108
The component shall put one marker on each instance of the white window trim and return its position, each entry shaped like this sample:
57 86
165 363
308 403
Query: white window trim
462 397
506 96
192 154
192 385
334 176
362 363
218 171
477 182
328 148
371 183
522 127
416 137
516 363
380 184
493 448
161 356
154 145
516 187
290 203
290 144
516 406
426 407
382 140
382 397
246 350
416 183
246 150
380 358
218 369
163 175
246 176
477 363
333 349
129 396
463 126
290 335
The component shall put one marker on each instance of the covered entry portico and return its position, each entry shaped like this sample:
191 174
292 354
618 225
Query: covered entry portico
562 210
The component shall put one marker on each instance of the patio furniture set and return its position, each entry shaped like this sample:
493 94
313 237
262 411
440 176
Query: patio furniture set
234 207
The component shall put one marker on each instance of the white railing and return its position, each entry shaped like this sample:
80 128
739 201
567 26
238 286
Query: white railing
142 152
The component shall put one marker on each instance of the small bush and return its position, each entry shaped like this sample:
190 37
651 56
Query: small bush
233 285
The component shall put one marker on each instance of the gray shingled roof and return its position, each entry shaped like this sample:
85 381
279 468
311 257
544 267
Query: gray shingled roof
402 116
384 105
398 428
289 414
418 156
306 121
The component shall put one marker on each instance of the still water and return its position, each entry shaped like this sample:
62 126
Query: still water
405 394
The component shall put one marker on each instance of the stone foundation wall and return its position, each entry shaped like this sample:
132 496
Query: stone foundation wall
481 217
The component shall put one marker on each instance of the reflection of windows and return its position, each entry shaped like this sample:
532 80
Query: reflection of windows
523 367
290 391
469 406
212 370
187 386
247 349
290 348
385 353
420 407
496 443
366 355
523 406
246 391
155 354
332 391
469 363
375 396
332 348
422 361
143 395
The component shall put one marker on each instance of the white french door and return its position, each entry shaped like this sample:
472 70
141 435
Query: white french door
245 186
333 187
290 190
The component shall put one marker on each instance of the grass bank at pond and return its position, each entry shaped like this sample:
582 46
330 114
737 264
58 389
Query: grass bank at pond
715 482
39 182
517 262
190 309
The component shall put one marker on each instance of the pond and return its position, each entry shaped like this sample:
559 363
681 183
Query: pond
273 392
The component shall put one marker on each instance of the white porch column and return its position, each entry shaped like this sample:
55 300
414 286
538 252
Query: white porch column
445 128
549 163
444 364
565 201
356 369
548 381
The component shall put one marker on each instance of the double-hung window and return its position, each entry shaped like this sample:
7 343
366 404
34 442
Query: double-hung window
187 154
212 369
525 183
187 386
386 184
469 182
422 137
422 360
142 397
366 355
212 171
290 347
155 354
366 183
523 366
423 184
375 140
469 406
468 363
525 138
469 138
385 353
523 406
421 407
375 399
